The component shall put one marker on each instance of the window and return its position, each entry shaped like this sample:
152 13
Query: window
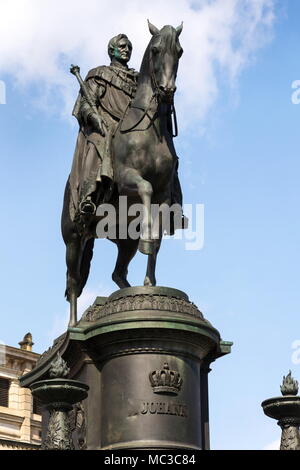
36 406
4 389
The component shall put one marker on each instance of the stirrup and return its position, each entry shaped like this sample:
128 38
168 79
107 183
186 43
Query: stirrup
87 207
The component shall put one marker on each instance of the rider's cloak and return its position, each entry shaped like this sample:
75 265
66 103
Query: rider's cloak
111 89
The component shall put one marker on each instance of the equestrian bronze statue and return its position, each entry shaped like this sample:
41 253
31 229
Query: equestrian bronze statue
124 149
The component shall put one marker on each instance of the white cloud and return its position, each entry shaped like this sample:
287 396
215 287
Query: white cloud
87 298
39 39
59 326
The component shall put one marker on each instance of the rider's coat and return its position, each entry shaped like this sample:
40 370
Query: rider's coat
111 89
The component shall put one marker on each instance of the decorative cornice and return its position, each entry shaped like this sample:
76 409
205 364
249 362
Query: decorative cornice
152 310
19 445
158 303
179 350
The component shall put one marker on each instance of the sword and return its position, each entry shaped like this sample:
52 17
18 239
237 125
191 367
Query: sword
75 70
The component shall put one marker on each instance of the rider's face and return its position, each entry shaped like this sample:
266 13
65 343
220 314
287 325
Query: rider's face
123 50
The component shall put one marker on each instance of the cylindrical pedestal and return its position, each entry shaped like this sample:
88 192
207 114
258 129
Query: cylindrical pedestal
152 347
135 416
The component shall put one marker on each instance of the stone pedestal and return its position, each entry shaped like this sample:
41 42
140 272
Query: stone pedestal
286 410
145 354
58 396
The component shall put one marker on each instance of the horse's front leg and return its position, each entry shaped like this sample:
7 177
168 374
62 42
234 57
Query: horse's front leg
150 279
160 222
146 243
131 182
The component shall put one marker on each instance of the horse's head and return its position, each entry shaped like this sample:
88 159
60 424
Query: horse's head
165 51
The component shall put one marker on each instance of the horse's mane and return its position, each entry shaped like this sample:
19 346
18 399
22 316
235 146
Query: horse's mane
145 65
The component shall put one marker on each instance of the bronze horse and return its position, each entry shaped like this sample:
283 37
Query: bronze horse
144 164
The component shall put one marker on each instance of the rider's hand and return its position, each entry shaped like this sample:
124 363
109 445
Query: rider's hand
98 124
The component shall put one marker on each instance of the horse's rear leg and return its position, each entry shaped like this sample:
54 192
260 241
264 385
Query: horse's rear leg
126 251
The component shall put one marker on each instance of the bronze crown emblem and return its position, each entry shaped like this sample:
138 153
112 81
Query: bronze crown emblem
165 380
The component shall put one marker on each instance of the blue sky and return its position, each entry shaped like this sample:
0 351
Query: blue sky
239 156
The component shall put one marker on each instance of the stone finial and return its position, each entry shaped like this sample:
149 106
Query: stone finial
59 368
289 385
27 343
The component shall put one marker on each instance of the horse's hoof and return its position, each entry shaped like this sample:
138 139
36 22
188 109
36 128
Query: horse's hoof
121 282
147 247
148 282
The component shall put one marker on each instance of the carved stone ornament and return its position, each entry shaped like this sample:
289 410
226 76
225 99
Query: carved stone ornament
78 424
131 303
290 437
59 368
59 434
286 410
51 351
289 385
59 394
165 381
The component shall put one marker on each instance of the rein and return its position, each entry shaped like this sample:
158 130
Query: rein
156 93
141 119
173 113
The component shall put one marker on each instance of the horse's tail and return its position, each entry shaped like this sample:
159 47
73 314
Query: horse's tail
87 256
66 219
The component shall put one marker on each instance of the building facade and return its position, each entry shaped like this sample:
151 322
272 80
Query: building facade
20 415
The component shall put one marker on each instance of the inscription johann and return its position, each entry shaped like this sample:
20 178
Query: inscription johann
164 408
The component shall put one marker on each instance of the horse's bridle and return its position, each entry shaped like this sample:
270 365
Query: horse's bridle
157 92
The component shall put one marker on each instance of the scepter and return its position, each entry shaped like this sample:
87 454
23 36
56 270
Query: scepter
75 70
